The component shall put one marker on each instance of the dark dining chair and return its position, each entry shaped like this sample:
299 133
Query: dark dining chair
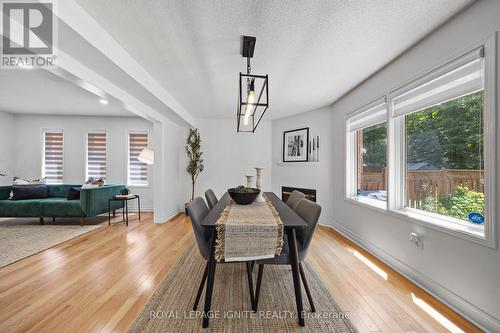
309 211
197 210
211 198
294 199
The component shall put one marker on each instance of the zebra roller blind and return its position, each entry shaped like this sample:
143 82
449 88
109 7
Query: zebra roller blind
53 160
137 170
96 155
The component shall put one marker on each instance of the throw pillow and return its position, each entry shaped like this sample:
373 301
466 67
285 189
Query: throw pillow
24 192
74 193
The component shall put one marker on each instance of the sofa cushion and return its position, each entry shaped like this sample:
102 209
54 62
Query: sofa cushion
5 192
21 208
60 190
61 207
25 192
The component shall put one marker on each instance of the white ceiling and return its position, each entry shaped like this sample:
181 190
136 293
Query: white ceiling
313 51
36 91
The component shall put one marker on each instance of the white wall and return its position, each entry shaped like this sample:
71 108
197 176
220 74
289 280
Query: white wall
229 155
464 274
317 176
28 145
6 147
171 180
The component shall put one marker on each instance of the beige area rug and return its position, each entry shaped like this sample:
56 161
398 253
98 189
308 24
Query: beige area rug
169 309
20 238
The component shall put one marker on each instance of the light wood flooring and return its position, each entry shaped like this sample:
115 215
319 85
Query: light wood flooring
100 281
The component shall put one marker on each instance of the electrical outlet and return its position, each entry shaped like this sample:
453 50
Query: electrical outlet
417 239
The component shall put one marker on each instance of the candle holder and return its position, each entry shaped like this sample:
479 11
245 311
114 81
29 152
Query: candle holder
260 197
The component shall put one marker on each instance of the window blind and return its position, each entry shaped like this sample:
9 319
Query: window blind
137 170
96 155
372 116
461 77
53 157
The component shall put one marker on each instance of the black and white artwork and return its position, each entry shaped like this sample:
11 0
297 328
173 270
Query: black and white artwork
295 145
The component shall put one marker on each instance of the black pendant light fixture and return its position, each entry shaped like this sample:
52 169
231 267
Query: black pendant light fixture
253 99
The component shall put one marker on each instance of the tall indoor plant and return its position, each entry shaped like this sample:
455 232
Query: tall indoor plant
195 161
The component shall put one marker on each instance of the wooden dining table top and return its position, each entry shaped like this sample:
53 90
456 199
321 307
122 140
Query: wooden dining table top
289 218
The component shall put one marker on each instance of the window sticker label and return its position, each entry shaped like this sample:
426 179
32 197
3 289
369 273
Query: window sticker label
476 218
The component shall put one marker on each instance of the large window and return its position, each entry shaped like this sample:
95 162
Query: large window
52 156
368 150
96 155
137 170
445 158
440 137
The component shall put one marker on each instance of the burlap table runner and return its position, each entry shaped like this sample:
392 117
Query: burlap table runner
248 232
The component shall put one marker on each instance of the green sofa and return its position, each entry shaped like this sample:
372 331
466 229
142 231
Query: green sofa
93 201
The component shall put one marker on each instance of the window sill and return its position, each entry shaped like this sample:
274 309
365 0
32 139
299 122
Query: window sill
377 205
138 186
472 233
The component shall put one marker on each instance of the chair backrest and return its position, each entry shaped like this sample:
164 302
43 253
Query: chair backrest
310 212
211 198
197 210
294 199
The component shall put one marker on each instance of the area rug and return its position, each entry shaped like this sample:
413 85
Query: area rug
170 307
21 240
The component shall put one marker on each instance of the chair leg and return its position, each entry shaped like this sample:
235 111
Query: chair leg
81 222
53 219
200 288
306 287
260 273
250 283
41 220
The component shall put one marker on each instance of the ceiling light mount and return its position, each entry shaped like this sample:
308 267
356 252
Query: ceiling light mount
253 99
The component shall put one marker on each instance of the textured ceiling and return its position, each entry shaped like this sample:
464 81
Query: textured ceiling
313 51
41 92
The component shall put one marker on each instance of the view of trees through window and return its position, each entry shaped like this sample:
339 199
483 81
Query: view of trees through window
372 161
444 155
445 163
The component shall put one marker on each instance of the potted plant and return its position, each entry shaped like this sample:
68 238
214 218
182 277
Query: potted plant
195 161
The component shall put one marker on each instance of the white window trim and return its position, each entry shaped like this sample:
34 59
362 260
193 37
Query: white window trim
88 131
396 156
350 184
42 151
137 131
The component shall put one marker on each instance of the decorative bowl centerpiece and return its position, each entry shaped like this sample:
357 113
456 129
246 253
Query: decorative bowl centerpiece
243 195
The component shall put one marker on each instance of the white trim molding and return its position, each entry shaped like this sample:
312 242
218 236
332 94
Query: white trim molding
463 307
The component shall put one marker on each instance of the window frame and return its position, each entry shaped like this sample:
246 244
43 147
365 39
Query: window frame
137 131
43 131
396 152
86 149
351 166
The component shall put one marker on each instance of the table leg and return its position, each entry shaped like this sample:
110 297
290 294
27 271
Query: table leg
126 211
294 259
210 281
123 211
139 204
109 212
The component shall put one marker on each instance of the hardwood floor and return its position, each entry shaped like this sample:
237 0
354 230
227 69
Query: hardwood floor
100 281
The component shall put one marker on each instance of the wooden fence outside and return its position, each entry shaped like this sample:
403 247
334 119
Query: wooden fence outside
424 182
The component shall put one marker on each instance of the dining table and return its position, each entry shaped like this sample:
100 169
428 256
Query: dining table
291 222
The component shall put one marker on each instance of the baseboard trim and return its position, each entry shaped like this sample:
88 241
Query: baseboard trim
478 317
169 217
